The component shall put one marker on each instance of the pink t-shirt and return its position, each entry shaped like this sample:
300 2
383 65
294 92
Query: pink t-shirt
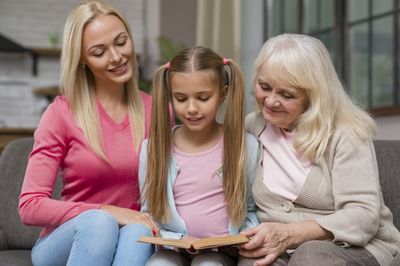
88 181
285 170
199 194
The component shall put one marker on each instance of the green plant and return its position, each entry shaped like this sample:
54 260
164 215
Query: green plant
168 49
145 85
53 38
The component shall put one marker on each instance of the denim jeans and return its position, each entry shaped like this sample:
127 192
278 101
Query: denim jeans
93 238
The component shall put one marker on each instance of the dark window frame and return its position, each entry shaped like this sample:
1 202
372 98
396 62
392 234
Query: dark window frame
341 44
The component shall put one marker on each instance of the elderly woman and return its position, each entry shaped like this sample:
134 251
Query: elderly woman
317 186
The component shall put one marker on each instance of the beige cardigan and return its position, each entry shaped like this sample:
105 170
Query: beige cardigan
341 193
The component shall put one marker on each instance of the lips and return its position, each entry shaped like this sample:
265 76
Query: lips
270 110
193 119
121 69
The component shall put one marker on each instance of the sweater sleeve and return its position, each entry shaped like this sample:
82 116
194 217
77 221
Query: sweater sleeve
143 174
253 154
356 192
36 206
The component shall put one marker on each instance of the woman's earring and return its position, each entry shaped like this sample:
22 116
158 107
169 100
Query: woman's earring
83 66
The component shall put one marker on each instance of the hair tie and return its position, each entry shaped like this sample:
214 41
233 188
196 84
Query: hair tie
168 65
225 60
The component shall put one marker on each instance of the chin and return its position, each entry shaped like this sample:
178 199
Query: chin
124 78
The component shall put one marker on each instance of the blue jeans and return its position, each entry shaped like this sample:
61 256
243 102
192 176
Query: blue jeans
93 238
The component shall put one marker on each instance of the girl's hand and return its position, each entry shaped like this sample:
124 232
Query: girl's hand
126 216
267 241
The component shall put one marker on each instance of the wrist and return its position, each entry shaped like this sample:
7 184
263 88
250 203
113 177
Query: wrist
295 236
103 207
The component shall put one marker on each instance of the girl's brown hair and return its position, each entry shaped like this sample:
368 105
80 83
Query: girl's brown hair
226 73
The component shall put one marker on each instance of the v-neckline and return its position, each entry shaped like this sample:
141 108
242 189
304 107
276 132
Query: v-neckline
109 119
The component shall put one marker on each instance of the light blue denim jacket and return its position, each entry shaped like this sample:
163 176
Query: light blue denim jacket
176 227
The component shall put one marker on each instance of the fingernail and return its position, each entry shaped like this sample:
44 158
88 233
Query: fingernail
154 232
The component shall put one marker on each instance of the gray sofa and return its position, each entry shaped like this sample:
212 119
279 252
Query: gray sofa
16 239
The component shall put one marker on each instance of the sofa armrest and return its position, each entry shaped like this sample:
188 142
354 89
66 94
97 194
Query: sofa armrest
13 161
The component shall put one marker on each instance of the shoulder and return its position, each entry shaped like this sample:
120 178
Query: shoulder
251 141
344 143
255 123
60 103
252 149
57 111
250 118
56 120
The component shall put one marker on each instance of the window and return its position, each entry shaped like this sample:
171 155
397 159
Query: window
362 37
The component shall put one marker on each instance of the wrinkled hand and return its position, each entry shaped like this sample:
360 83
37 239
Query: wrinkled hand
267 241
126 216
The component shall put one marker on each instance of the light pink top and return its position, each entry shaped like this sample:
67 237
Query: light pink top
199 194
285 170
88 181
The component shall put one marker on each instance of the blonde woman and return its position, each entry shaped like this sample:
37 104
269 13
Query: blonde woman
317 188
91 135
197 178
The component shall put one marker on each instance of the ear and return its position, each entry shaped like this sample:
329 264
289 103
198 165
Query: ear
224 92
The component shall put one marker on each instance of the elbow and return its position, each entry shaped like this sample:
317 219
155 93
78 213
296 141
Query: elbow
24 213
23 216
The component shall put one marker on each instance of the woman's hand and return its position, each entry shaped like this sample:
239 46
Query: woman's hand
270 240
267 241
126 216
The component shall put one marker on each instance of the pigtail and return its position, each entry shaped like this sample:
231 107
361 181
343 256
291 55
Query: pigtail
159 148
234 145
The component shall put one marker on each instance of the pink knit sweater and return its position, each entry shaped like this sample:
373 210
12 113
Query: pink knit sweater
88 182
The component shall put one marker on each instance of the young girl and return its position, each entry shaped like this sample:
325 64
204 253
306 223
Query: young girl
194 177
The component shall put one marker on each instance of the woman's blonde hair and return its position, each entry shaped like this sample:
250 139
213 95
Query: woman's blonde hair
303 62
224 73
78 83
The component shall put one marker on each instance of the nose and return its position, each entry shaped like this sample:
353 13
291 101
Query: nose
192 108
271 100
115 56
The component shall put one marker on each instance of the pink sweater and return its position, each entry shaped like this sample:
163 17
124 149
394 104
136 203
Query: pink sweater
88 182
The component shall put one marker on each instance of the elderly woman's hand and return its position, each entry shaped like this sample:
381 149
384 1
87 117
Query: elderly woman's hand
267 241
270 240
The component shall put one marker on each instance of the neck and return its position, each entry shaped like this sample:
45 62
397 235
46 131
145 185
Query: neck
113 100
111 94
197 141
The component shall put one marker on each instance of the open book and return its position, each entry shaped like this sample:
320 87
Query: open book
202 243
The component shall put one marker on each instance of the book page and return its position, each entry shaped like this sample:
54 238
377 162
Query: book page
179 243
203 243
218 241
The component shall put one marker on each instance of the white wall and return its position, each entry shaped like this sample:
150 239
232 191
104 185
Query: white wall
29 23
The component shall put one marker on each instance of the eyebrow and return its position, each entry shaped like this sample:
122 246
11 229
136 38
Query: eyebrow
101 45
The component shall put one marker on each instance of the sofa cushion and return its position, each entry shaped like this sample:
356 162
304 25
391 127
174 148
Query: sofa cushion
15 258
388 157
